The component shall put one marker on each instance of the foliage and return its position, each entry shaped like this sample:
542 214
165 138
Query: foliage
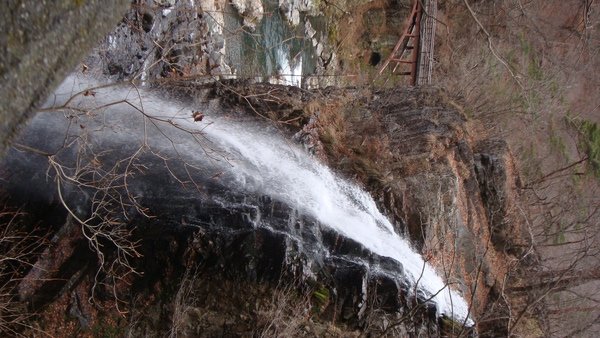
590 141
321 298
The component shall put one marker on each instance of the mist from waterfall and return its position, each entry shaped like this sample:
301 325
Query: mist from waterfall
256 160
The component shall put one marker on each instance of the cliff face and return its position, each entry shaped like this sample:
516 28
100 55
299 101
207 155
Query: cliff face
452 193
167 246
137 220
458 195
239 257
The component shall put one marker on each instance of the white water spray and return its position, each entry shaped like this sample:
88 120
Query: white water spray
263 163
272 166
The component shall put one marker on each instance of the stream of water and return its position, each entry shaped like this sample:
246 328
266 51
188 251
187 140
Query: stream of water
274 51
261 162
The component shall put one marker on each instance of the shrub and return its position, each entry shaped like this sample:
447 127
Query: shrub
590 142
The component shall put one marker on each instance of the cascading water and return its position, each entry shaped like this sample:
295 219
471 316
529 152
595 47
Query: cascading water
255 160
285 172
276 52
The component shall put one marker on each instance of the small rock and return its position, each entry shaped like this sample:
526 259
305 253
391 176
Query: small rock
309 30
251 11
319 48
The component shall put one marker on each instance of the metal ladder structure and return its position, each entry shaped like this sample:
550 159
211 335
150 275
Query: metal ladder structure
413 54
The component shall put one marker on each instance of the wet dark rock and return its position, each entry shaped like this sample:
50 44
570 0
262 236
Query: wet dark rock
147 22
494 167
389 293
350 279
222 231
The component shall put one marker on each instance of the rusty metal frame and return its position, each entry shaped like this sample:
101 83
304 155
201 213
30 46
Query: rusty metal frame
411 32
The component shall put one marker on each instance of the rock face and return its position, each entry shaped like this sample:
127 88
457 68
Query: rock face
158 40
453 199
41 43
157 227
201 221
292 9
251 10
456 195
494 167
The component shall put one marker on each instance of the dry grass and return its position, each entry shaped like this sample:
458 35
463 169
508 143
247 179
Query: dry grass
286 314
184 302
19 247
549 48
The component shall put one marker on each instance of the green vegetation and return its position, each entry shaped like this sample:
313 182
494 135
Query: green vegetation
557 142
560 234
590 142
321 295
321 299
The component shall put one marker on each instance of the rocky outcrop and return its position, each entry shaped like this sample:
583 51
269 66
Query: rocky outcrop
456 195
293 8
450 193
495 170
251 11
41 43
183 215
159 40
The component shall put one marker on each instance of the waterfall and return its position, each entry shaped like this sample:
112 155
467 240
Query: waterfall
274 51
255 159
